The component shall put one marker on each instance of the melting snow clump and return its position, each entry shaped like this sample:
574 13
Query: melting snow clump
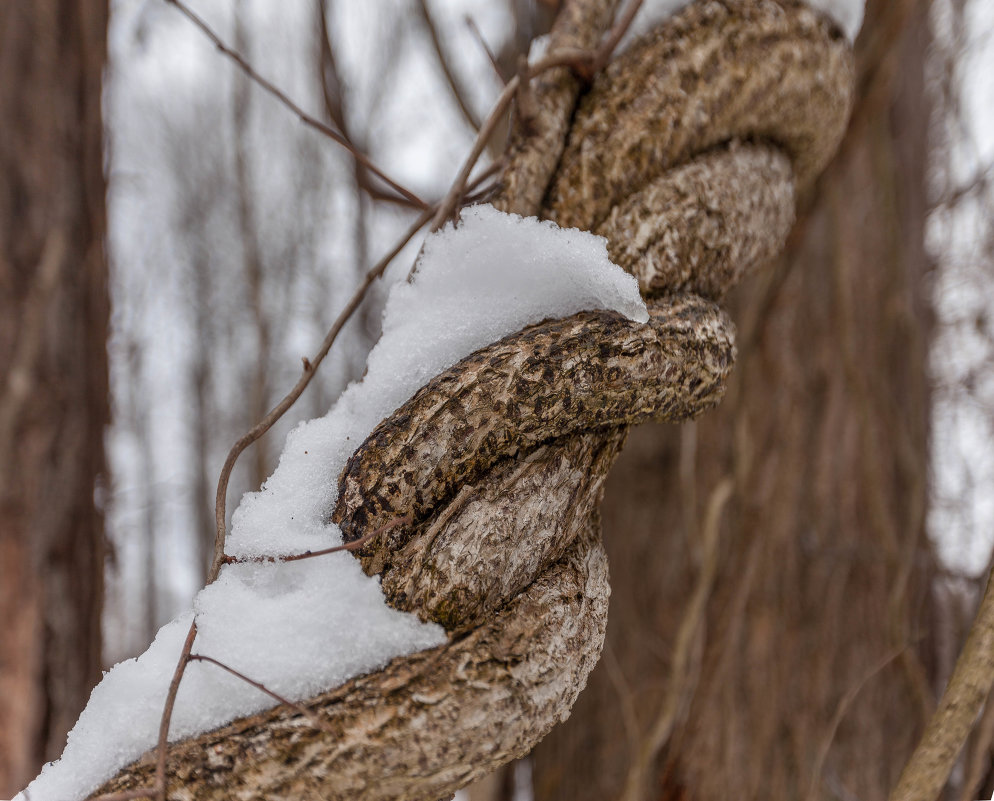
303 627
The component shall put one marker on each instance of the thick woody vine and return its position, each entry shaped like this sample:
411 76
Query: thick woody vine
477 500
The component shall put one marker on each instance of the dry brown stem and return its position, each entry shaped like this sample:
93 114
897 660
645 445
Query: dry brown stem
929 767
314 720
167 712
456 89
348 546
677 696
310 367
303 116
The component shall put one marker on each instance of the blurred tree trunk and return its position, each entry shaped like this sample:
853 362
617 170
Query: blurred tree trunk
54 396
810 677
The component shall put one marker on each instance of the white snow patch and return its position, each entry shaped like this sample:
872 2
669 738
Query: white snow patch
303 627
848 14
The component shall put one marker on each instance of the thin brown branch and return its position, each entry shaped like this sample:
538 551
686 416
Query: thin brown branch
303 710
687 635
451 201
331 82
302 115
492 169
978 765
348 546
310 367
475 30
930 765
456 89
167 712
606 49
840 713
334 105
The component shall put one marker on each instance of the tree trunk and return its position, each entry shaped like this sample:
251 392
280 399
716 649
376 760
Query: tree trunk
809 675
54 397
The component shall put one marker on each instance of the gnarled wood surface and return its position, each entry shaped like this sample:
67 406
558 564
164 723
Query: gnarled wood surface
723 215
427 723
501 459
721 70
592 370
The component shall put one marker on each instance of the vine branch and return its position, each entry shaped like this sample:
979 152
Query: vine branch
303 116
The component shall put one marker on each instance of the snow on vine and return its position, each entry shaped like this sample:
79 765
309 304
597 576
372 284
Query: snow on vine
303 627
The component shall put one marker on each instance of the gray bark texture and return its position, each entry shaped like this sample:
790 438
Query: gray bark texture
500 461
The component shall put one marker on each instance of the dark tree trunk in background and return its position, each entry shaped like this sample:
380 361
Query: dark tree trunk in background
53 398
798 687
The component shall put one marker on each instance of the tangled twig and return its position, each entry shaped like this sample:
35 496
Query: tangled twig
308 119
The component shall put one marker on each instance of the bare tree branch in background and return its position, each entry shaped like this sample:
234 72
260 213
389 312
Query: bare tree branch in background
304 117
253 268
459 92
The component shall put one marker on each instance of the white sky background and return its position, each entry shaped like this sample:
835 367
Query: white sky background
962 242
166 77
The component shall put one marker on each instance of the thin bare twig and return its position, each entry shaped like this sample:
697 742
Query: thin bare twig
475 30
355 545
302 115
167 712
451 201
687 635
303 710
606 49
840 713
310 367
334 103
930 765
456 89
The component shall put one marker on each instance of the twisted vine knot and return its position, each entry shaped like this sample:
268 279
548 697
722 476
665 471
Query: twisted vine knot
686 153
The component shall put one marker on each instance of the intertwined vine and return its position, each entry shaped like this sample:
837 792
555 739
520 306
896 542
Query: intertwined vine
687 153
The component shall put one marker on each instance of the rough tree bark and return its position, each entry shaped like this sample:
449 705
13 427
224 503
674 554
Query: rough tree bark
810 676
547 408
53 400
